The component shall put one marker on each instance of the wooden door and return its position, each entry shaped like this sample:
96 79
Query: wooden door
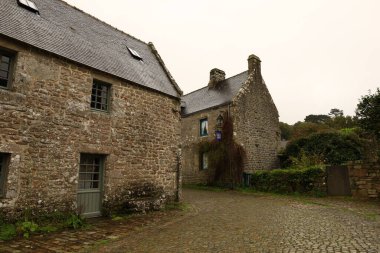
90 185
338 181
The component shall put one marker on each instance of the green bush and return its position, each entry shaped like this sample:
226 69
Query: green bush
330 147
7 231
27 228
306 180
75 221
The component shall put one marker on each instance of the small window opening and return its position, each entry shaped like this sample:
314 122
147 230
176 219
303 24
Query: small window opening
29 5
4 161
135 54
203 161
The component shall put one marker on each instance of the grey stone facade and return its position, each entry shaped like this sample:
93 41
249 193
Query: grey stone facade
245 98
47 124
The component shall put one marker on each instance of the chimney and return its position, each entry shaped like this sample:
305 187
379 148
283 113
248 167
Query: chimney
254 64
216 76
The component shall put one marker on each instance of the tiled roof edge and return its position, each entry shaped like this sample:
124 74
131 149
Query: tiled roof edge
205 109
207 85
101 21
159 59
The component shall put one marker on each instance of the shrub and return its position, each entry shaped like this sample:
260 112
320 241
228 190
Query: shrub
7 231
75 221
307 180
329 147
27 228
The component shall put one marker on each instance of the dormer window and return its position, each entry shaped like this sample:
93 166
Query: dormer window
135 54
29 5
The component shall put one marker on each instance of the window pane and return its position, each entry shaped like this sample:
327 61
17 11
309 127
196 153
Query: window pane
3 74
5 59
203 127
3 83
4 66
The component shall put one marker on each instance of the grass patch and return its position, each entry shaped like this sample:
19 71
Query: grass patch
372 216
48 229
120 217
96 245
178 206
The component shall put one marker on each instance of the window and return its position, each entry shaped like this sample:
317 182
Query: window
100 96
4 158
203 127
135 54
203 161
29 5
5 68
90 170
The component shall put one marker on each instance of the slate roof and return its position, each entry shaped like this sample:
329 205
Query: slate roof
68 32
206 98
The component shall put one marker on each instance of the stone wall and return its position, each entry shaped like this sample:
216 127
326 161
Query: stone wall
190 138
256 124
365 179
46 123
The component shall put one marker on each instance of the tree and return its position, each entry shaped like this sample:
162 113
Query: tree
318 119
304 129
336 112
368 113
340 122
286 131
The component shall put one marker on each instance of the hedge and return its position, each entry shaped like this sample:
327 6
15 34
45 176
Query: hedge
307 180
333 147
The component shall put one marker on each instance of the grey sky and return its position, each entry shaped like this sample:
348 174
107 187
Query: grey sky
316 55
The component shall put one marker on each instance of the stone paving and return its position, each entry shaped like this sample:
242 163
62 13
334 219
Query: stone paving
236 222
227 222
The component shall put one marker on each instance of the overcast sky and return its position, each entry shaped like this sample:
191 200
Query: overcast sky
316 55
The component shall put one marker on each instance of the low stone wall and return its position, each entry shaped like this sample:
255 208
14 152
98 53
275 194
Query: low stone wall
365 179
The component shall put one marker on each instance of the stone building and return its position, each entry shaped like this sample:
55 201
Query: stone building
89 115
246 99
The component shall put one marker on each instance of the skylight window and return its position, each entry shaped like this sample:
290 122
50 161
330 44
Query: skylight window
29 5
134 53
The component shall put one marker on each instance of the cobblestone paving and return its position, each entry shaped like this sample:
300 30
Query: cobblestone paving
226 222
99 231
236 222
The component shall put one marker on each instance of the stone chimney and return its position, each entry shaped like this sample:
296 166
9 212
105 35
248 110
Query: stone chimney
254 64
216 76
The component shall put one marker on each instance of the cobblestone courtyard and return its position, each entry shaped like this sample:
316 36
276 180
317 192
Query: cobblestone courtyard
236 222
227 221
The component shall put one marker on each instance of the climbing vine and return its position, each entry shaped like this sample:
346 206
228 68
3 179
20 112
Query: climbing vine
225 157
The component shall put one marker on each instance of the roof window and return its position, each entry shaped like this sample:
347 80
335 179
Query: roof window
135 54
29 5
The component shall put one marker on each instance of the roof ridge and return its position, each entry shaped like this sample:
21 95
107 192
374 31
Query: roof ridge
207 85
101 21
161 61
